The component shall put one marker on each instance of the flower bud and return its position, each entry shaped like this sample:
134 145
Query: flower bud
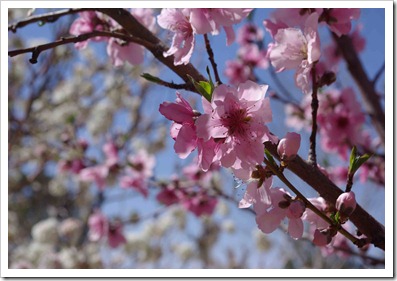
288 146
346 203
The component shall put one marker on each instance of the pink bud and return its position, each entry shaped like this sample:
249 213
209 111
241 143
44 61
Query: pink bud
346 203
288 146
321 238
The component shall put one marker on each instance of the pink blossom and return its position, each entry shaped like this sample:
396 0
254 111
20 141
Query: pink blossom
288 146
111 153
184 132
115 234
268 219
249 34
98 226
120 51
86 23
255 194
294 49
237 121
237 71
134 180
288 17
346 203
322 237
142 163
340 120
177 20
251 55
211 20
199 204
312 217
168 195
97 174
340 20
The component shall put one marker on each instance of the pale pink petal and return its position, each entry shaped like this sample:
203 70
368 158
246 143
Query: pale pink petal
295 228
186 141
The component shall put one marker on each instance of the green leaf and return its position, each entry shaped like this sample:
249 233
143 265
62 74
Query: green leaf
352 157
151 78
203 87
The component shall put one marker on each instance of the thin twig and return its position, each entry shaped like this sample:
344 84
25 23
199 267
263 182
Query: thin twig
212 59
309 205
378 74
74 39
314 105
44 18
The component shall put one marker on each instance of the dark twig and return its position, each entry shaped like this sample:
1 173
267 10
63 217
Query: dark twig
48 17
74 39
212 59
378 74
314 104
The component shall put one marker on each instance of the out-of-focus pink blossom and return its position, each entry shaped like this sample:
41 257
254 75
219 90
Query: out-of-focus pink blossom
120 51
322 237
294 49
142 163
249 34
288 146
251 55
136 181
97 174
111 153
115 234
199 204
238 122
237 71
98 226
340 19
86 23
177 20
168 195
346 203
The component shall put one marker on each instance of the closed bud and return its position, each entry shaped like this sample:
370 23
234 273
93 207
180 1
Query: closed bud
288 146
346 203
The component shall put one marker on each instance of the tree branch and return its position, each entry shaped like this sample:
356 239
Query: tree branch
211 58
367 89
314 105
74 39
48 17
364 222
156 47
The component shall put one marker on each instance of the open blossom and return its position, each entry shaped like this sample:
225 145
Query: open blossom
237 121
120 51
142 163
206 20
294 49
249 34
255 194
237 71
269 218
183 131
177 20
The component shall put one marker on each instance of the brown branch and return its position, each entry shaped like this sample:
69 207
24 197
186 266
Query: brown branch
156 47
48 17
367 89
212 59
314 105
364 222
74 39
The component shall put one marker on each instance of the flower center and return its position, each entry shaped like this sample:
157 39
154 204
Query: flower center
236 121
